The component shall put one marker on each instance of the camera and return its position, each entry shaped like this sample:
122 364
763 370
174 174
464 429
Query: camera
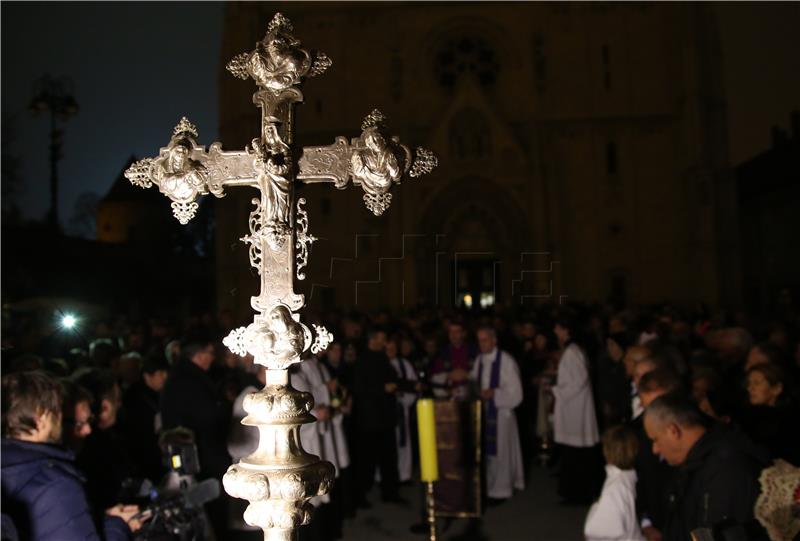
174 510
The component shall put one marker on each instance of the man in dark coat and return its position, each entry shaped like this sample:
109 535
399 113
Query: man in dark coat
42 489
652 473
142 420
716 474
374 388
105 458
191 400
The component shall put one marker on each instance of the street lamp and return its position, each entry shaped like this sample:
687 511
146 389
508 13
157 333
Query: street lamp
54 95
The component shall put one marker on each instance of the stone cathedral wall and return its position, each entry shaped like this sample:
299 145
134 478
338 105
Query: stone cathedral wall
582 153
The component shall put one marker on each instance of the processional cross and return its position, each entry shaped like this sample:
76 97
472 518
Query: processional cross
279 478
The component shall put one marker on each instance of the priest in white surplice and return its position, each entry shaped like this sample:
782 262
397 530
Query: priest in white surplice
574 420
497 376
324 438
406 398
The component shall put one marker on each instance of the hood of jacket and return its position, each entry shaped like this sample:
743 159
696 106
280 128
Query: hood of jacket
23 460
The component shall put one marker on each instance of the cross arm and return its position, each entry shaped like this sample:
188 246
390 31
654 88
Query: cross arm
184 170
374 161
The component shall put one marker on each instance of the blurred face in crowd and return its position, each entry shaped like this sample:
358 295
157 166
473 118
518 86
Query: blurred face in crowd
616 325
83 420
406 348
431 348
669 440
633 355
109 407
377 341
334 354
391 349
204 357
647 397
562 333
455 334
350 354
700 387
528 331
156 380
486 341
755 357
614 350
761 392
641 368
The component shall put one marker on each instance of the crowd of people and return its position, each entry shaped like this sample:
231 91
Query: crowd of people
667 416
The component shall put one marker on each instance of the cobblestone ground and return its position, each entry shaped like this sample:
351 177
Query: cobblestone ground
531 515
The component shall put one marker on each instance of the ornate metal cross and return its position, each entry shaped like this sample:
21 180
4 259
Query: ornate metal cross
279 478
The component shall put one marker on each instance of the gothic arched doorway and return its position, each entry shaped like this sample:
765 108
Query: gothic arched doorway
478 231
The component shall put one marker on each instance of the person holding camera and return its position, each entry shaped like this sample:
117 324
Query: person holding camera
42 489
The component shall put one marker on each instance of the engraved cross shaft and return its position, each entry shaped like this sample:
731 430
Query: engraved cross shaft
279 478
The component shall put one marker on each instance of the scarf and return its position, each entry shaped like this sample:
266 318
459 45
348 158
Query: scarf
491 408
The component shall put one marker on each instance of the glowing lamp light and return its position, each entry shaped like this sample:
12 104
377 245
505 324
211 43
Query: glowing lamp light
68 321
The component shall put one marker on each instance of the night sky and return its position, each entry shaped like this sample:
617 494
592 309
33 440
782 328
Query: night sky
138 67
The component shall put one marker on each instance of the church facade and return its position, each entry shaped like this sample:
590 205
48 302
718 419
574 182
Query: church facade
582 154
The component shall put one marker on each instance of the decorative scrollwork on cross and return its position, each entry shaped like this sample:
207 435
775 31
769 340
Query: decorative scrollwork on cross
254 238
139 173
322 339
183 211
235 341
303 239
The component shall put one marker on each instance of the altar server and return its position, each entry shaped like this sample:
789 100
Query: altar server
406 398
326 439
574 420
497 375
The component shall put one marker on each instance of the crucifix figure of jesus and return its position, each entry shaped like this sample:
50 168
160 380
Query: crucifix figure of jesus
279 478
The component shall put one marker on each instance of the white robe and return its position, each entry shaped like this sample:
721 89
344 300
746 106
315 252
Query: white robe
613 516
406 401
331 444
574 420
504 471
242 440
324 439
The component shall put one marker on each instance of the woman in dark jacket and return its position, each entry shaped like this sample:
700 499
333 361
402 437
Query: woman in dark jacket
771 418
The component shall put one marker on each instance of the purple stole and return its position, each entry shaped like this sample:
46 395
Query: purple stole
490 433
401 409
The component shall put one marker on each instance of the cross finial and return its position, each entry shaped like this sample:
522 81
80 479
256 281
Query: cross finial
184 126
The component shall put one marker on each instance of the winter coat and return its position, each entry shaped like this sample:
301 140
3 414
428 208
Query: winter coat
375 409
43 494
717 481
191 399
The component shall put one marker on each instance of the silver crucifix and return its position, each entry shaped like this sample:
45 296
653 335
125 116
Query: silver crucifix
279 478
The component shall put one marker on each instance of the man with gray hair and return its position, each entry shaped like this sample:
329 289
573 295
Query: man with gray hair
716 474
496 374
